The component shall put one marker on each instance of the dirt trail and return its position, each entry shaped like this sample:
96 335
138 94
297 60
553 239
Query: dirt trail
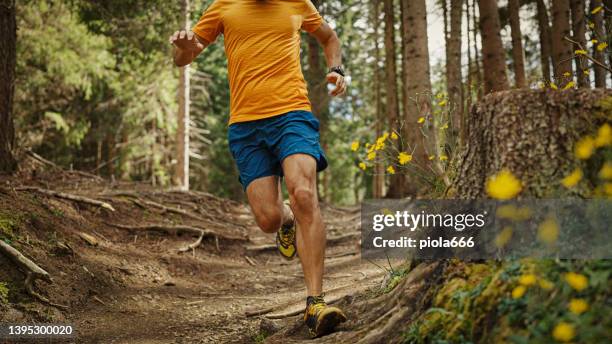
133 286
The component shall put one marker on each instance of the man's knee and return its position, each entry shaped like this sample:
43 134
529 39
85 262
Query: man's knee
270 221
303 196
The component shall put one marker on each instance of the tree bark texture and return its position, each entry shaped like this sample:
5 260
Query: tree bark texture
579 30
561 48
493 59
545 40
517 44
393 116
529 132
8 38
453 66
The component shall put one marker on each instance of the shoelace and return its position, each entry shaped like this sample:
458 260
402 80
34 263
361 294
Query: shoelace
286 237
317 305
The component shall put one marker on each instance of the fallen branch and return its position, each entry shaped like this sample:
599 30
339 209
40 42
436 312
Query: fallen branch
32 270
336 239
68 196
54 165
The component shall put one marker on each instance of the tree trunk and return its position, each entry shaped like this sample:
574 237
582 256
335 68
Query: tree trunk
470 70
493 59
417 83
453 67
396 183
545 40
478 70
531 133
561 48
599 33
517 44
8 38
378 180
579 30
182 139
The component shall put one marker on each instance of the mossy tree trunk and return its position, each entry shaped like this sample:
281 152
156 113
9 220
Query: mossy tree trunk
531 133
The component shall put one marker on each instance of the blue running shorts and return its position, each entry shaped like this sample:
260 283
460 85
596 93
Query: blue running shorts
259 147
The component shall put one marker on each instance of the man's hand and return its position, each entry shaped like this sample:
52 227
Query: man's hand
186 41
340 83
187 47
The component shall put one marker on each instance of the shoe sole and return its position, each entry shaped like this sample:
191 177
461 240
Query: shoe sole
328 320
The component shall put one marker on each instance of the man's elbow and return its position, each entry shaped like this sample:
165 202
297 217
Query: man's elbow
332 39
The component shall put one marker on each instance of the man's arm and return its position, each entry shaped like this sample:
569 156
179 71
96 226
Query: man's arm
333 54
187 46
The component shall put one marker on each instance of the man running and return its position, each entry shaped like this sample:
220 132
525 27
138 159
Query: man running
272 132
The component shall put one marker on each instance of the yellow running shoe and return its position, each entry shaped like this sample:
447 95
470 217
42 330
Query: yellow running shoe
285 240
320 318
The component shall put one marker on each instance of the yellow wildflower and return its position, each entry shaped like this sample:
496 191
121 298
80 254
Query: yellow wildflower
443 158
577 281
553 86
569 85
527 279
602 46
572 179
586 72
371 156
585 147
391 170
591 25
578 306
545 284
363 166
440 95
503 237
442 103
503 185
608 189
518 292
567 74
580 52
542 85
445 126
421 120
355 146
548 231
606 171
564 332
431 157
394 136
596 9
404 158
604 136
594 41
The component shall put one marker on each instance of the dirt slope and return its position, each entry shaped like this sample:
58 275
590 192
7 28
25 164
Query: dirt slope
134 286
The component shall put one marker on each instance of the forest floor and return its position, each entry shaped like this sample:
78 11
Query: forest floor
123 282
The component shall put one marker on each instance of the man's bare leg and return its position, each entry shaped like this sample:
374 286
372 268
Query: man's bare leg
266 203
301 178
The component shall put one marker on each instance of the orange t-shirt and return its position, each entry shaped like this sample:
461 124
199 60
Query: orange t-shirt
262 45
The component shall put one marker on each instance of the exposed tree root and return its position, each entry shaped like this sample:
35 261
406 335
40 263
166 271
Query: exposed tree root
32 270
55 166
68 196
181 229
335 239
142 203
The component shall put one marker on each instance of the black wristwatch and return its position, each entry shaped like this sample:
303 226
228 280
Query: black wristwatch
337 69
